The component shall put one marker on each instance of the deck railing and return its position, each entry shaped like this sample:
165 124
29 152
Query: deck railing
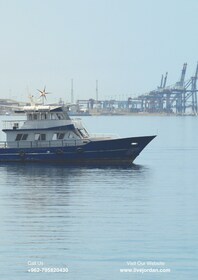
10 124
42 144
104 135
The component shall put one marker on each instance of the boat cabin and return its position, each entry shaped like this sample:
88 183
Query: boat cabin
45 126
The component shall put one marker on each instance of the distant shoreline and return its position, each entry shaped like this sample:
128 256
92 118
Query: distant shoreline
143 114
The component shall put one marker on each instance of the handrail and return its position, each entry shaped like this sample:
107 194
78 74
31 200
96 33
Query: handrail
103 135
10 124
41 144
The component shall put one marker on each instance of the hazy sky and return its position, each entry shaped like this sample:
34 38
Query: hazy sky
125 44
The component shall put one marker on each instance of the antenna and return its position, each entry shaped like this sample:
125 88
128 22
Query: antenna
165 79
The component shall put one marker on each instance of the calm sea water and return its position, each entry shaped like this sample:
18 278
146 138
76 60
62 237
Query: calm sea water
103 223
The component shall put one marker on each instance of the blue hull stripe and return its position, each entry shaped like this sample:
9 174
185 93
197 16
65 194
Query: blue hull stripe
111 151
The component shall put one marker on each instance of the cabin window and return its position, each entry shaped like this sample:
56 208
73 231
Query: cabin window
21 137
53 116
54 137
37 136
24 137
35 116
18 137
83 132
60 136
40 137
72 135
43 116
60 116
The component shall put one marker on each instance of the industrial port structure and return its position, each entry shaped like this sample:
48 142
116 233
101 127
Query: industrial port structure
180 98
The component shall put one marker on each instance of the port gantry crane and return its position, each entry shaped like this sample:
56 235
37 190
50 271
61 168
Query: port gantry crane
180 98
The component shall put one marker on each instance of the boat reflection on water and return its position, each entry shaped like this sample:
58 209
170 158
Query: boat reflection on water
42 182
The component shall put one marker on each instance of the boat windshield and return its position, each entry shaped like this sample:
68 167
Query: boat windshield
83 132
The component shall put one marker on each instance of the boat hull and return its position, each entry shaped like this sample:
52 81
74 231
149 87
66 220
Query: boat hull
122 151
